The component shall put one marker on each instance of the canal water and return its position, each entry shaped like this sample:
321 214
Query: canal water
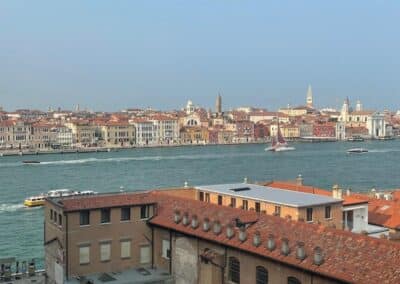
321 164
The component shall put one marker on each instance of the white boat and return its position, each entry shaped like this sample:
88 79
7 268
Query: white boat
279 144
60 193
357 151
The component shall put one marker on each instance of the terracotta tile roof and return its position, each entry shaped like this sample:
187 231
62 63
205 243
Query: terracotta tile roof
352 199
347 257
384 213
77 203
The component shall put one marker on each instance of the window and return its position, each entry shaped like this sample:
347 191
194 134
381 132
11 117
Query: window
233 202
207 197
144 212
125 213
258 208
51 214
309 214
261 275
166 249
54 216
245 204
105 215
201 196
144 254
293 280
105 251
327 212
84 254
85 218
219 200
234 270
277 211
126 249
59 219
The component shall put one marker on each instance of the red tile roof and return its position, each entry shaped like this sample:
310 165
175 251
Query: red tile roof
347 257
384 213
77 203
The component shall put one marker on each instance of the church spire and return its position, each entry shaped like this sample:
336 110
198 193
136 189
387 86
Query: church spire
309 97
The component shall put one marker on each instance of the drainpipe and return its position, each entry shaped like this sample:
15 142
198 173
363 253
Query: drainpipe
66 246
223 267
152 247
170 252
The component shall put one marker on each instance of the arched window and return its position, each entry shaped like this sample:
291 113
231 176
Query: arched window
293 280
234 270
261 275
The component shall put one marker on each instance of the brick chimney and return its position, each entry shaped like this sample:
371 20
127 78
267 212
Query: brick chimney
299 180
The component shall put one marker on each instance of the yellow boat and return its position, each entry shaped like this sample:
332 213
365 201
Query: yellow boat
34 201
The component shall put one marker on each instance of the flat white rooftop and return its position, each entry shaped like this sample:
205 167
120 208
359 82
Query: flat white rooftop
268 194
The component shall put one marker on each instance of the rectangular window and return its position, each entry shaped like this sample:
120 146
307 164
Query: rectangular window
105 215
166 249
309 214
258 208
54 216
145 254
59 219
208 197
327 212
277 211
233 202
84 217
51 214
84 255
245 204
126 249
144 212
125 213
219 200
105 251
201 196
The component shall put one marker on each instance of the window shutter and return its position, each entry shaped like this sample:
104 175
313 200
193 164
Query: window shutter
84 255
125 249
105 252
145 254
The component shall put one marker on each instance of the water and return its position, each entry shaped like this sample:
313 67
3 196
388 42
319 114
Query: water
324 164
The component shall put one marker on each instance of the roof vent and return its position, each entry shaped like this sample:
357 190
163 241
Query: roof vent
206 224
177 216
285 250
238 189
257 239
299 180
195 222
271 242
245 180
300 252
242 234
217 228
230 232
318 256
185 219
185 185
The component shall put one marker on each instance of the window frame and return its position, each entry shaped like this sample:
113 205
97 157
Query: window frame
263 278
123 256
147 212
328 209
245 204
257 207
293 280
277 211
108 245
82 218
126 218
166 249
147 247
233 202
309 212
220 199
201 195
102 221
234 270
81 248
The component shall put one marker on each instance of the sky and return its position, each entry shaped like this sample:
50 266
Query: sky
111 55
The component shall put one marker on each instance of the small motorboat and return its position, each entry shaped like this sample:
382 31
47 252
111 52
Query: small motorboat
31 162
34 201
355 139
357 151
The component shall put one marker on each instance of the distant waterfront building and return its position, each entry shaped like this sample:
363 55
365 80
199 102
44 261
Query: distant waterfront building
376 125
190 108
359 106
309 97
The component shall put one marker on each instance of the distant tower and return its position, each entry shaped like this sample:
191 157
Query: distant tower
218 104
345 110
359 106
309 97
189 107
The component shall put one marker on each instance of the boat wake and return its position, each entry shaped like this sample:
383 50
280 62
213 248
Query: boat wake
7 207
389 150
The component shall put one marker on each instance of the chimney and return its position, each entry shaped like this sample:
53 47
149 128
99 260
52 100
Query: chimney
230 232
299 180
242 234
177 216
195 222
348 191
336 192
285 250
318 256
245 180
300 251
185 219
206 224
185 185
257 239
271 242
217 227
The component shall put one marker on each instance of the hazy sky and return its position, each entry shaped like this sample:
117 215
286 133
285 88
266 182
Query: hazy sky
109 55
